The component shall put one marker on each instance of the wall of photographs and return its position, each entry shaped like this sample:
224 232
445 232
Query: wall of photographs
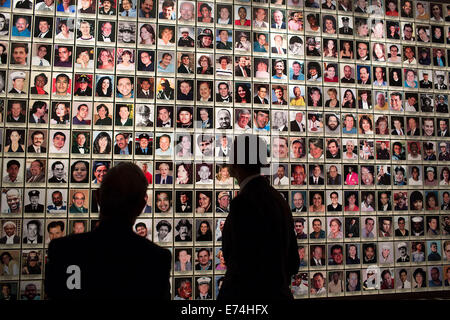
351 96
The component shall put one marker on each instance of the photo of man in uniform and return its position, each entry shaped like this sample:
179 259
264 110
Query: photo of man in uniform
34 206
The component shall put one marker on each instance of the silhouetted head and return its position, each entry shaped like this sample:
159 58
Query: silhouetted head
248 156
123 194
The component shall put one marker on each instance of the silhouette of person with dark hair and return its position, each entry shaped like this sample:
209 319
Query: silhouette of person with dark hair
79 265
260 205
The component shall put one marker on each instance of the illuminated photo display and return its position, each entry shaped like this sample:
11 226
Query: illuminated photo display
350 95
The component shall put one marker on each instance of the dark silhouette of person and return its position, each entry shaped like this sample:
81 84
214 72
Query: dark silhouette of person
258 266
145 269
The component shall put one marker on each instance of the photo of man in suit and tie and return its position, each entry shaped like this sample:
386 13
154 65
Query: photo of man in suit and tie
184 201
164 177
278 20
106 34
278 47
317 255
146 90
43 28
260 97
37 142
316 177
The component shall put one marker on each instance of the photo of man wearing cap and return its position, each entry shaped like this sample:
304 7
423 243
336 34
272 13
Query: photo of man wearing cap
18 82
431 176
126 33
205 38
144 145
107 7
143 116
402 252
34 206
185 40
203 288
223 201
444 155
84 84
417 226
345 29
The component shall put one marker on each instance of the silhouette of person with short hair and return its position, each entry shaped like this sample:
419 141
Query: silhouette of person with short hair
79 266
256 212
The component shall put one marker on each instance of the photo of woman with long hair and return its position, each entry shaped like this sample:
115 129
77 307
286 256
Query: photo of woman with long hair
102 143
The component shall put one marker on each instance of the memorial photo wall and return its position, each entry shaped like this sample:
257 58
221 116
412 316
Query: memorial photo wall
351 97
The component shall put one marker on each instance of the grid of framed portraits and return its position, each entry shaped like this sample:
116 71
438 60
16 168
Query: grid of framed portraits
351 97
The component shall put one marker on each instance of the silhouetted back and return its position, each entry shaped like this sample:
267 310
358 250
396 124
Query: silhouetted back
259 245
114 262
111 261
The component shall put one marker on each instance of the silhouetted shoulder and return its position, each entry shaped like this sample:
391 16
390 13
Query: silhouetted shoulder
259 227
112 263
